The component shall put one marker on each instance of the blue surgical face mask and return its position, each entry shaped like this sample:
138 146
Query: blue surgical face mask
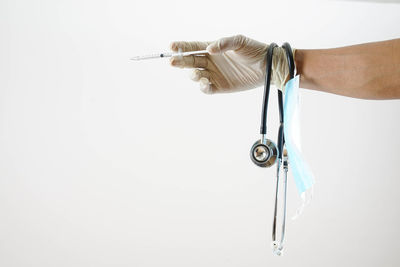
300 170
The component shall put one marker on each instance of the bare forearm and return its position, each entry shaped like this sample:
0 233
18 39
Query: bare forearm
369 71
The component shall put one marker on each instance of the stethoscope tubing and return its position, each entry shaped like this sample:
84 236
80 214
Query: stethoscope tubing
281 158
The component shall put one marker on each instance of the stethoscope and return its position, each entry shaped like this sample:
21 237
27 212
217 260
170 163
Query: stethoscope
264 152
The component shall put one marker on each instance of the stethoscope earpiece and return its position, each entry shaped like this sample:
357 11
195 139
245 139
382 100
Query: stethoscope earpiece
264 154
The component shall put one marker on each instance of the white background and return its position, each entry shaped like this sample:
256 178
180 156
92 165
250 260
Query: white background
109 162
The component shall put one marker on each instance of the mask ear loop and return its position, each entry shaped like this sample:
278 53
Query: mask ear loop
282 158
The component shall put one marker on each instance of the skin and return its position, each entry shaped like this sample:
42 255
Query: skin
367 71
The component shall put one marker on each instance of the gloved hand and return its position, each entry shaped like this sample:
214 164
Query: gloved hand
233 64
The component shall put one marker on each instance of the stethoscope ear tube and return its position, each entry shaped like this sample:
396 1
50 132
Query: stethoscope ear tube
277 246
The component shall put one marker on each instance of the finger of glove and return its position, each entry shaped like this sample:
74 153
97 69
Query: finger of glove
190 61
222 45
206 86
188 46
197 74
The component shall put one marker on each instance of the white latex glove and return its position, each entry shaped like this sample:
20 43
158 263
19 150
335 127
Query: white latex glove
233 64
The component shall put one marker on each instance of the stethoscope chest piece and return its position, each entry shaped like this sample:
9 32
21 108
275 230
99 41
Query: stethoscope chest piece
264 154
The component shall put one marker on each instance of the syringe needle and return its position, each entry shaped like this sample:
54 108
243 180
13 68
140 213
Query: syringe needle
169 54
151 56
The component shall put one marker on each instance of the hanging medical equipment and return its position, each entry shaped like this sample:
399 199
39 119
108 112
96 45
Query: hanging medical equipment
264 152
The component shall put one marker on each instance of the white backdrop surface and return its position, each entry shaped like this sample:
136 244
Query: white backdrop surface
109 162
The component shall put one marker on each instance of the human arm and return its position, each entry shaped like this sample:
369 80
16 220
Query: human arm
369 71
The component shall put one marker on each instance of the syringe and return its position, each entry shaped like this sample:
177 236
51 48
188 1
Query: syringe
169 54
